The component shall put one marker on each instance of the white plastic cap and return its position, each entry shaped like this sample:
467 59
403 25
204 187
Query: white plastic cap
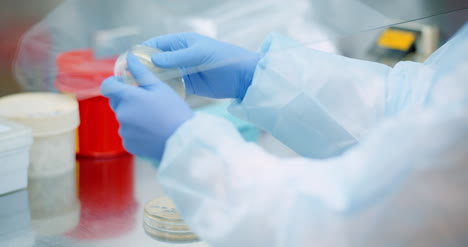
45 113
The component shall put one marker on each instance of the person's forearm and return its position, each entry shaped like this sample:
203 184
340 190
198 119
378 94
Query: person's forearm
319 104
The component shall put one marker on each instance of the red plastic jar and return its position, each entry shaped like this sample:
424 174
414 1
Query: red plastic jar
106 193
79 73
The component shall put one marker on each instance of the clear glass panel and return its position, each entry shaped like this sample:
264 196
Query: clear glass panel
109 27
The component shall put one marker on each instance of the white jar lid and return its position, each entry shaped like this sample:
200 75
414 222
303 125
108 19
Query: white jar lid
45 113
13 136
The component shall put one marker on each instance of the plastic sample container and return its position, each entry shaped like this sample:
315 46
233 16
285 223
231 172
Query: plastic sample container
171 77
53 119
80 74
162 222
15 142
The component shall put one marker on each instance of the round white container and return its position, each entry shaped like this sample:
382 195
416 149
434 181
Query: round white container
53 119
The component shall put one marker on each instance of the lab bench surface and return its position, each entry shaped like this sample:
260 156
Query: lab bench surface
100 203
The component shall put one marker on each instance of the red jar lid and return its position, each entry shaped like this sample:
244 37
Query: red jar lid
79 73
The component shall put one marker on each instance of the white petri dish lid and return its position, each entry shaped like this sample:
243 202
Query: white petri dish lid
171 77
45 113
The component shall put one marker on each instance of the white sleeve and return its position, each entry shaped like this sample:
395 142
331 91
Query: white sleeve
319 104
389 191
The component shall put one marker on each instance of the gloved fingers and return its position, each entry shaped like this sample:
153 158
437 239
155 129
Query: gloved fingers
145 78
116 91
181 58
170 42
125 112
111 87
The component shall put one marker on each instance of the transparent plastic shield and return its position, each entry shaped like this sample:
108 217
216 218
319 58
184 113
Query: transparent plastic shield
76 24
415 9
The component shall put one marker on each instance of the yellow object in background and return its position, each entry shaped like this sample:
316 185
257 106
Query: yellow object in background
397 39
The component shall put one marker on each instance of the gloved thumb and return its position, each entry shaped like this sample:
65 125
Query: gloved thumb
145 78
112 86
115 91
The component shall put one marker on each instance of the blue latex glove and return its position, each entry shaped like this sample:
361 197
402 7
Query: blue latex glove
148 114
211 68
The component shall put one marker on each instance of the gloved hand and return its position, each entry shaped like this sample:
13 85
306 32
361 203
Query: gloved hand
148 114
211 68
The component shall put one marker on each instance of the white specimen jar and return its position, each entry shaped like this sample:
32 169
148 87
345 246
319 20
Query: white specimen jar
53 119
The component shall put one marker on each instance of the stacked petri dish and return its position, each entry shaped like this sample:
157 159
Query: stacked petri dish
172 76
162 222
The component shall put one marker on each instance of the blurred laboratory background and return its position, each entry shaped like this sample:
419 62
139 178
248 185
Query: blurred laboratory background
34 33
65 48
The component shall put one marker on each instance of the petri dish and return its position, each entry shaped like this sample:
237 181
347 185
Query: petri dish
172 77
162 222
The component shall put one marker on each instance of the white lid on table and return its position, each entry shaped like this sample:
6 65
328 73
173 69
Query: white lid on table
45 113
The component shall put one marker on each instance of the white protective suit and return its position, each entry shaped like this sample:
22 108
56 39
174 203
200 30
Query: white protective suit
387 154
